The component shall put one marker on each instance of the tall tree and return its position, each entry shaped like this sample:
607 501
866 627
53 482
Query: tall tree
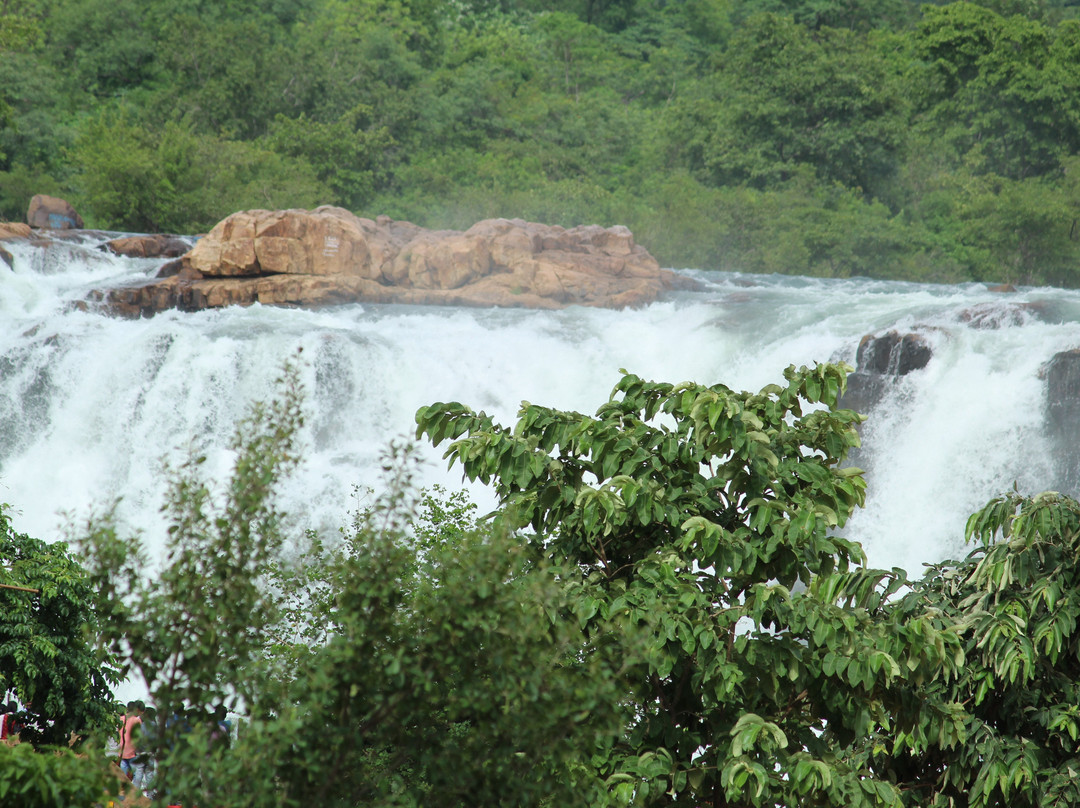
783 96
411 658
704 516
1003 91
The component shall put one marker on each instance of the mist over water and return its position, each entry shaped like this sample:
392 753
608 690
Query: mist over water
91 405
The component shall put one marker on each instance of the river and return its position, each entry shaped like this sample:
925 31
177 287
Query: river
91 405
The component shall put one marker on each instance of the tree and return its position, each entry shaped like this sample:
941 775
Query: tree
402 663
347 155
57 779
703 516
785 96
19 32
855 15
106 48
188 631
443 676
658 615
174 180
227 90
1001 90
32 130
1003 731
48 627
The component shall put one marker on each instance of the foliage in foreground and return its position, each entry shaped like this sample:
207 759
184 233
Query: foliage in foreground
1004 732
660 614
191 629
705 517
55 778
48 659
400 663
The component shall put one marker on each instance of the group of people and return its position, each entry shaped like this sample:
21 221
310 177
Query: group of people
138 738
136 743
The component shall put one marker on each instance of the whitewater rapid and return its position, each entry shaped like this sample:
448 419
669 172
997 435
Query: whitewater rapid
90 405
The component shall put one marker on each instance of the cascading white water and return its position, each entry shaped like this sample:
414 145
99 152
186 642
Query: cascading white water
89 404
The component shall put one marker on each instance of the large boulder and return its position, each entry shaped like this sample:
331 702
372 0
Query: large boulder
153 246
51 213
329 255
879 362
892 354
1062 375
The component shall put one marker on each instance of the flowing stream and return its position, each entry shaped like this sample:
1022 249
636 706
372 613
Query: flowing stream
90 405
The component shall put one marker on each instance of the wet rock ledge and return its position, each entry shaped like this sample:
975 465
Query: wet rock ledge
329 256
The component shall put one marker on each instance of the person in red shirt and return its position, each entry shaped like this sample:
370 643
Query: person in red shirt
128 745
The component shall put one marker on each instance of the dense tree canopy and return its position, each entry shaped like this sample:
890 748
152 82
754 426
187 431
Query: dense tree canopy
787 97
705 517
1012 718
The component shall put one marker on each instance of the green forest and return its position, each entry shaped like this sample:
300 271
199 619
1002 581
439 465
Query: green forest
877 138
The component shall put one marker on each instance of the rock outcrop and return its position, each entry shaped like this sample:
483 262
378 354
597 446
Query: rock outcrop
328 256
892 354
14 230
155 246
879 361
52 213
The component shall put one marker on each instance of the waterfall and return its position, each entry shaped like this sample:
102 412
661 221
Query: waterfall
90 405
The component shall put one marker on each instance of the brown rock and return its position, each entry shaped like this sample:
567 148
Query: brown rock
14 230
440 260
52 213
612 240
328 255
510 240
170 268
326 241
156 246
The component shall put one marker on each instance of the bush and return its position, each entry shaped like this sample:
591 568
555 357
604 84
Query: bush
51 779
177 181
